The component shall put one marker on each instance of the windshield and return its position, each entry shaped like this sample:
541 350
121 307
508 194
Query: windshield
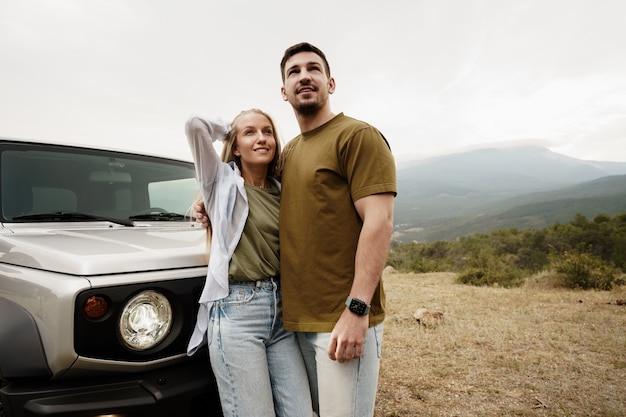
38 180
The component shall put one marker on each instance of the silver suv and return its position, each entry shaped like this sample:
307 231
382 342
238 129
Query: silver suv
100 272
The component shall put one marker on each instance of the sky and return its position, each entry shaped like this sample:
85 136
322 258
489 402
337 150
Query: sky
435 76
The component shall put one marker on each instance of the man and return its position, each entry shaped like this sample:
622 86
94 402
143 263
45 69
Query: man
336 220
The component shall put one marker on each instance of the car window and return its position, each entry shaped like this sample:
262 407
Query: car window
174 195
36 179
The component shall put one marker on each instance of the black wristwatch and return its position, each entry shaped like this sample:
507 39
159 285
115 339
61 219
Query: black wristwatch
357 306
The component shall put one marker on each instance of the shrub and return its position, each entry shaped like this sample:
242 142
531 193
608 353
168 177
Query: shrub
580 269
500 274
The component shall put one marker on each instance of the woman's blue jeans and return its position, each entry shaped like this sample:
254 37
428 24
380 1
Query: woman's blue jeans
257 363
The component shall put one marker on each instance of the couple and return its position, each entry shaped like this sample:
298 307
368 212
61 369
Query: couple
318 347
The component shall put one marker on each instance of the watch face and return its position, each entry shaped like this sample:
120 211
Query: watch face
358 307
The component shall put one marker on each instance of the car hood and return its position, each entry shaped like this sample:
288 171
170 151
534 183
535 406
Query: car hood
97 249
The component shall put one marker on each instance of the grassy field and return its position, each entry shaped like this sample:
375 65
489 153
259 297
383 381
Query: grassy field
530 351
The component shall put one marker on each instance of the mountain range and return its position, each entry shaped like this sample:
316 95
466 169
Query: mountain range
450 196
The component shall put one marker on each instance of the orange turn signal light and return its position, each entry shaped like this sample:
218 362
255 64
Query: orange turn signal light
96 307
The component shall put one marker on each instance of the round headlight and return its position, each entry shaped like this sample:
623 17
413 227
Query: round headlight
146 320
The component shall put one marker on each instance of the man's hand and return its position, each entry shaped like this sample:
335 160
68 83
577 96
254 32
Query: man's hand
348 337
200 214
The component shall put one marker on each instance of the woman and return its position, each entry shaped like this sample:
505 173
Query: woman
257 363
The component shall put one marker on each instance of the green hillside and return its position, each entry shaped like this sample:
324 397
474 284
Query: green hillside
537 210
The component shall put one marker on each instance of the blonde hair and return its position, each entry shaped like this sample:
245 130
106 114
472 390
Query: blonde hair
228 154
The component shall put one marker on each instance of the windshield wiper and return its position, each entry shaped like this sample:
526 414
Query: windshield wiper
159 216
70 216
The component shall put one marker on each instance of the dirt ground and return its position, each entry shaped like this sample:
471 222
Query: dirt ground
530 351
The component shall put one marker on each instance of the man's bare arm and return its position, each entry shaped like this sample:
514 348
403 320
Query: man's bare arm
376 211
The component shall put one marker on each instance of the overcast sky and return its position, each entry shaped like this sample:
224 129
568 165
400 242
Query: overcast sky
435 76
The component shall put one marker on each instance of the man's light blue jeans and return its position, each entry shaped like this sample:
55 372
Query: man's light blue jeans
342 389
257 363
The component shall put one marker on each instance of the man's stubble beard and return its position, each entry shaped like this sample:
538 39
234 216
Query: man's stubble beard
307 109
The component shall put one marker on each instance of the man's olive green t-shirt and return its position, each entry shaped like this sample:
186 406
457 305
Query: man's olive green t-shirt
325 171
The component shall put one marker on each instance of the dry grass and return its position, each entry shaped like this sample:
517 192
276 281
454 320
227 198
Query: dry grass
531 351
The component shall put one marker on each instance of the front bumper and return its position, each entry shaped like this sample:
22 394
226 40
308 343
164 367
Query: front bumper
183 390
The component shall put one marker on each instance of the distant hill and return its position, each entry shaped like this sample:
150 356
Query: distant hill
483 190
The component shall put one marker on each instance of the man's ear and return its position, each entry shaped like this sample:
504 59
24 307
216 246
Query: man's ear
331 85
283 93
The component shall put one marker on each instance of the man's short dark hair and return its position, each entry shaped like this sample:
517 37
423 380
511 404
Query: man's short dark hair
302 47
